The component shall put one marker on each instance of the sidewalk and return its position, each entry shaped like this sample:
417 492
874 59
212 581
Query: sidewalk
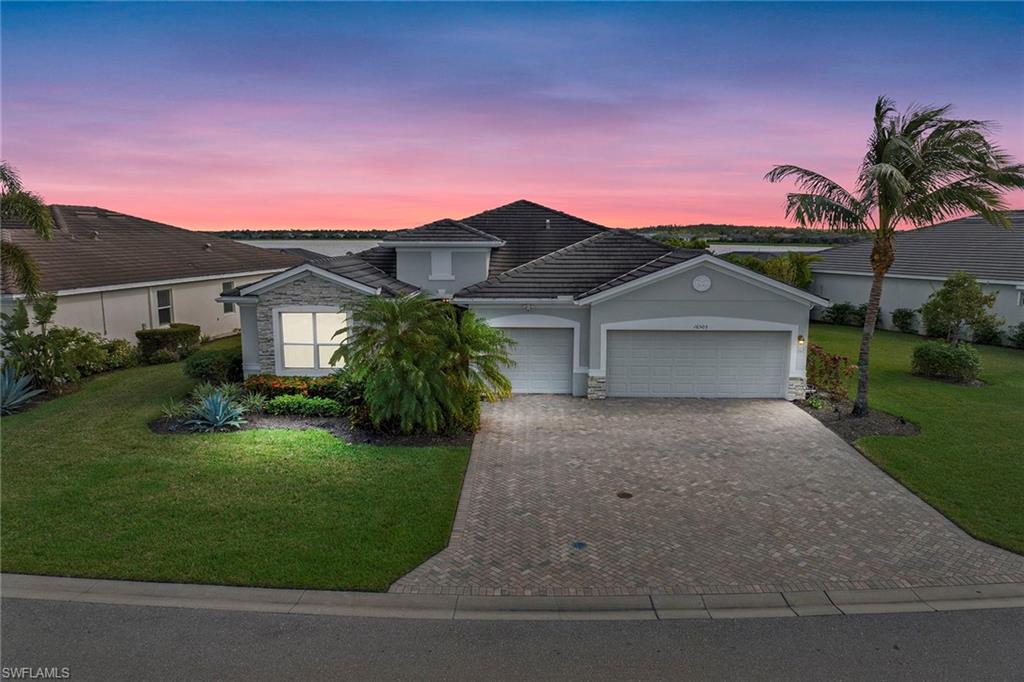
448 607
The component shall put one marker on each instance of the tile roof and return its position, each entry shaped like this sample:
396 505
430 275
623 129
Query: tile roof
970 244
444 230
353 268
529 231
605 259
95 247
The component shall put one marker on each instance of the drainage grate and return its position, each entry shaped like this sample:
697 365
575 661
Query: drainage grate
623 495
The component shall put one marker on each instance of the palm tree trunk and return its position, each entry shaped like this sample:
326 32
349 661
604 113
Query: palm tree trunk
882 256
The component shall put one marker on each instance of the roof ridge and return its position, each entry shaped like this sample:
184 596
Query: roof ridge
546 208
474 230
626 274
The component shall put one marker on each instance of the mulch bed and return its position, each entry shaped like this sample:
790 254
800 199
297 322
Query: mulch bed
338 427
837 417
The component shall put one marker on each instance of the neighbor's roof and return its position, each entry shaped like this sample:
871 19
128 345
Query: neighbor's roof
971 244
95 247
444 230
601 261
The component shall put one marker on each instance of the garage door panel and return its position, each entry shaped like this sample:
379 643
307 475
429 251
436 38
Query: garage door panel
543 360
697 364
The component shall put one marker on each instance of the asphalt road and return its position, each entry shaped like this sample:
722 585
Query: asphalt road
98 641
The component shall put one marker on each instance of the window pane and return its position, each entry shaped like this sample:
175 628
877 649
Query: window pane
163 298
163 315
325 357
327 324
298 357
229 307
297 328
227 286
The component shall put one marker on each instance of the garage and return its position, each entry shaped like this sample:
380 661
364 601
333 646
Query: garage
689 364
543 360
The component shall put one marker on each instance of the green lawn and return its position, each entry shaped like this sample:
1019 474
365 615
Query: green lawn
968 460
88 490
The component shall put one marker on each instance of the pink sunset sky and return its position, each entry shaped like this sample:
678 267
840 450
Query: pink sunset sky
384 116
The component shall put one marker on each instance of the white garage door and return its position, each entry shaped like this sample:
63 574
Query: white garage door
543 360
675 364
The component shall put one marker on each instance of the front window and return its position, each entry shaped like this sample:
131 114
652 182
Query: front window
306 340
164 307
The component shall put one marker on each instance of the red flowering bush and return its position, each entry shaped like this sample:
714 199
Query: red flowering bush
827 372
273 386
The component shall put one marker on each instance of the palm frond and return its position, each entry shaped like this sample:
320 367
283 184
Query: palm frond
19 268
815 210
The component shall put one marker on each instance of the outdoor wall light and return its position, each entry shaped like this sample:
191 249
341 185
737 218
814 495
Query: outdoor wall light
800 340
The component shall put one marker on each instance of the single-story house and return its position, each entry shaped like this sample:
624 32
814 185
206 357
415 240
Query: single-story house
115 274
595 311
925 257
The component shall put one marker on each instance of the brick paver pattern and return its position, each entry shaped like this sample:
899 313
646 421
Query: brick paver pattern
726 496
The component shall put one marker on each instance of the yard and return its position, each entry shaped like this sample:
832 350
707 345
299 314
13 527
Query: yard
89 490
968 460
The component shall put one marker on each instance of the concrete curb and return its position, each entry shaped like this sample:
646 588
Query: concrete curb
453 607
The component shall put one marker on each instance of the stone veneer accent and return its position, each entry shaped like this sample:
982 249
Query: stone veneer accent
308 289
796 388
597 388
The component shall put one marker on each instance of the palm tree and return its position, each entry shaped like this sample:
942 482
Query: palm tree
17 203
920 167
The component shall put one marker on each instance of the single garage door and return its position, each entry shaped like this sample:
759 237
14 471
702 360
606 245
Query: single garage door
543 360
674 364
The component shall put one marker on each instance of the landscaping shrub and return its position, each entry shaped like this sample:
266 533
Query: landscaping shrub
55 356
1015 334
858 315
305 406
960 303
839 313
827 372
253 403
15 390
987 330
905 319
162 356
216 412
272 386
218 366
940 360
179 340
120 354
425 363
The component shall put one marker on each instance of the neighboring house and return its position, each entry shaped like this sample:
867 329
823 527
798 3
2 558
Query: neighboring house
925 257
594 311
115 274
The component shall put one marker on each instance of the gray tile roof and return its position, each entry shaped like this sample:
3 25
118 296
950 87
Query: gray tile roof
352 268
603 260
444 230
96 247
529 231
970 244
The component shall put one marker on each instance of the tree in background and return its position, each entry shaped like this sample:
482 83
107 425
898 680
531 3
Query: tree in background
959 304
19 204
920 167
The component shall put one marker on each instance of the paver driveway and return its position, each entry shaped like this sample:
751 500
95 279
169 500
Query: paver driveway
726 496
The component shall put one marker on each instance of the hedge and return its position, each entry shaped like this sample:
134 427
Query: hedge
940 360
176 341
215 366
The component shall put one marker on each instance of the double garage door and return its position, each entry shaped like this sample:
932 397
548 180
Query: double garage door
666 364
658 364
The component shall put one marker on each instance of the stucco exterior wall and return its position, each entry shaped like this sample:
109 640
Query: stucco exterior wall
730 304
304 290
538 315
899 292
119 313
469 266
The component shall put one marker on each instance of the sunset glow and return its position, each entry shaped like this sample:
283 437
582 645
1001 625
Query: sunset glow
216 116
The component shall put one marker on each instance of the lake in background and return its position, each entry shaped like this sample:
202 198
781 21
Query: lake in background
328 247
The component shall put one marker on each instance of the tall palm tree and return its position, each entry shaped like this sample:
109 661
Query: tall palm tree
17 203
920 167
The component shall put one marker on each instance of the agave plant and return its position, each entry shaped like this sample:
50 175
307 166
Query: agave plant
15 390
215 412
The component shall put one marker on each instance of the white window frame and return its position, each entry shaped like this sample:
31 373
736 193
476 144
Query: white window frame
169 307
225 287
279 367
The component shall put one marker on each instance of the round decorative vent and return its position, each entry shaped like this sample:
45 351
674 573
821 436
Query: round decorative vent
701 283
